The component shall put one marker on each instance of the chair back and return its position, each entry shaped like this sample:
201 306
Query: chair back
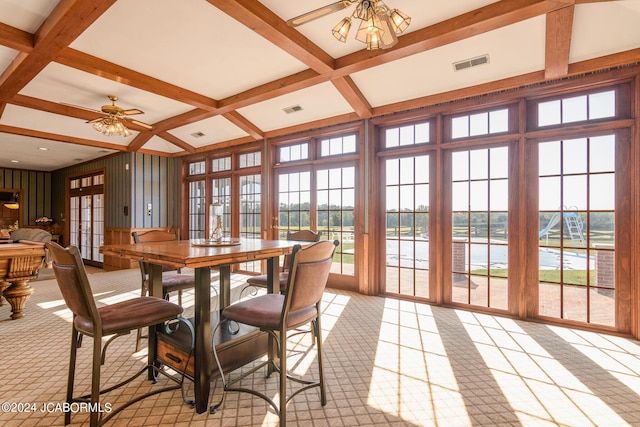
73 282
154 236
308 276
299 236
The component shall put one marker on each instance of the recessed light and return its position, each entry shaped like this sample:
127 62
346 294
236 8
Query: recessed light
43 149
15 161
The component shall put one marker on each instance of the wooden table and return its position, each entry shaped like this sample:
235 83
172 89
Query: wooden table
188 254
19 263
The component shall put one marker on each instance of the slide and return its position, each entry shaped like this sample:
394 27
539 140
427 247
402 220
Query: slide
552 223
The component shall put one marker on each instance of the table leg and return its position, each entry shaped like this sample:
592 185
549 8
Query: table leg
155 290
17 295
225 286
202 351
273 286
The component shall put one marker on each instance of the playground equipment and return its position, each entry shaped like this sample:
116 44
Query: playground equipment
573 224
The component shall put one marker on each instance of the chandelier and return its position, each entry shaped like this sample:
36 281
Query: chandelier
379 25
111 125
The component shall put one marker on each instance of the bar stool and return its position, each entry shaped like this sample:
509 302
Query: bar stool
116 319
174 281
261 280
278 313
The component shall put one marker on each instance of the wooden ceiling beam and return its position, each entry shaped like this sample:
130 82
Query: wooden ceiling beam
15 38
244 124
99 67
177 142
139 141
66 22
350 91
267 24
558 42
61 138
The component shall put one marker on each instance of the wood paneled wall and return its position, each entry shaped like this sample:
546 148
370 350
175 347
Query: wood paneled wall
36 192
132 181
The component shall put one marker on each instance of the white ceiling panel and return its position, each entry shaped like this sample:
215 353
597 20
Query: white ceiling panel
513 50
158 144
215 129
27 152
187 43
59 83
6 57
604 28
42 121
26 15
317 102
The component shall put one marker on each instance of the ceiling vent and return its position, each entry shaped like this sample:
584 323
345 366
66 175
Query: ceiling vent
473 62
197 134
292 109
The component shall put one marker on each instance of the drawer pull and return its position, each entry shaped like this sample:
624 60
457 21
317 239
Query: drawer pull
173 358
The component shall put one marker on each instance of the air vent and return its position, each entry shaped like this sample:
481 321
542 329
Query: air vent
473 62
197 134
292 109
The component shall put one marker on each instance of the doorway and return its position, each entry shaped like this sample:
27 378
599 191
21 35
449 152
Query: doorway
86 216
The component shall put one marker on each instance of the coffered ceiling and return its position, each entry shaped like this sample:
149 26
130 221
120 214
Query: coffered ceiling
221 72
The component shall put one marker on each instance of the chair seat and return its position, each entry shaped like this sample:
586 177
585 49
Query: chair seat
131 314
262 280
265 312
177 282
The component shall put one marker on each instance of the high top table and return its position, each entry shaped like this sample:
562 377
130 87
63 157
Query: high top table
202 256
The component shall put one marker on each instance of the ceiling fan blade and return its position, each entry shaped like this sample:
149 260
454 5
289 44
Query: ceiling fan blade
132 111
97 119
81 107
318 13
139 123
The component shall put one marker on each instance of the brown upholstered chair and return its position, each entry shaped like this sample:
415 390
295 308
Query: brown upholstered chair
261 280
172 279
278 313
115 319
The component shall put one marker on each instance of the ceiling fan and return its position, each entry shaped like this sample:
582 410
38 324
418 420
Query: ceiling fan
112 116
320 12
379 27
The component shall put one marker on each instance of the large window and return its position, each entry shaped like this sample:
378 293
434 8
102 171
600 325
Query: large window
315 194
480 194
577 229
407 225
234 181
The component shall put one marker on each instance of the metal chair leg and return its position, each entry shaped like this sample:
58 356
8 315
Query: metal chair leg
72 372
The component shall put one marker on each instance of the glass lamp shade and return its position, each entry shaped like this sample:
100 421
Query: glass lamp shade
399 21
388 36
111 126
341 31
370 32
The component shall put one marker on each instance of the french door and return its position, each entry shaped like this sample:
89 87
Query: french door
86 216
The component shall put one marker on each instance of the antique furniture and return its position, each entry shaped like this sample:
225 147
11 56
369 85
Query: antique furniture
114 319
278 313
203 256
19 263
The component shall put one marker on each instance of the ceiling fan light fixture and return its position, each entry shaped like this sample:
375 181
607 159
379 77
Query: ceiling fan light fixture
388 35
379 27
370 30
111 125
399 21
365 10
341 31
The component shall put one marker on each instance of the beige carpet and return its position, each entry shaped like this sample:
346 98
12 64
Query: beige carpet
388 363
